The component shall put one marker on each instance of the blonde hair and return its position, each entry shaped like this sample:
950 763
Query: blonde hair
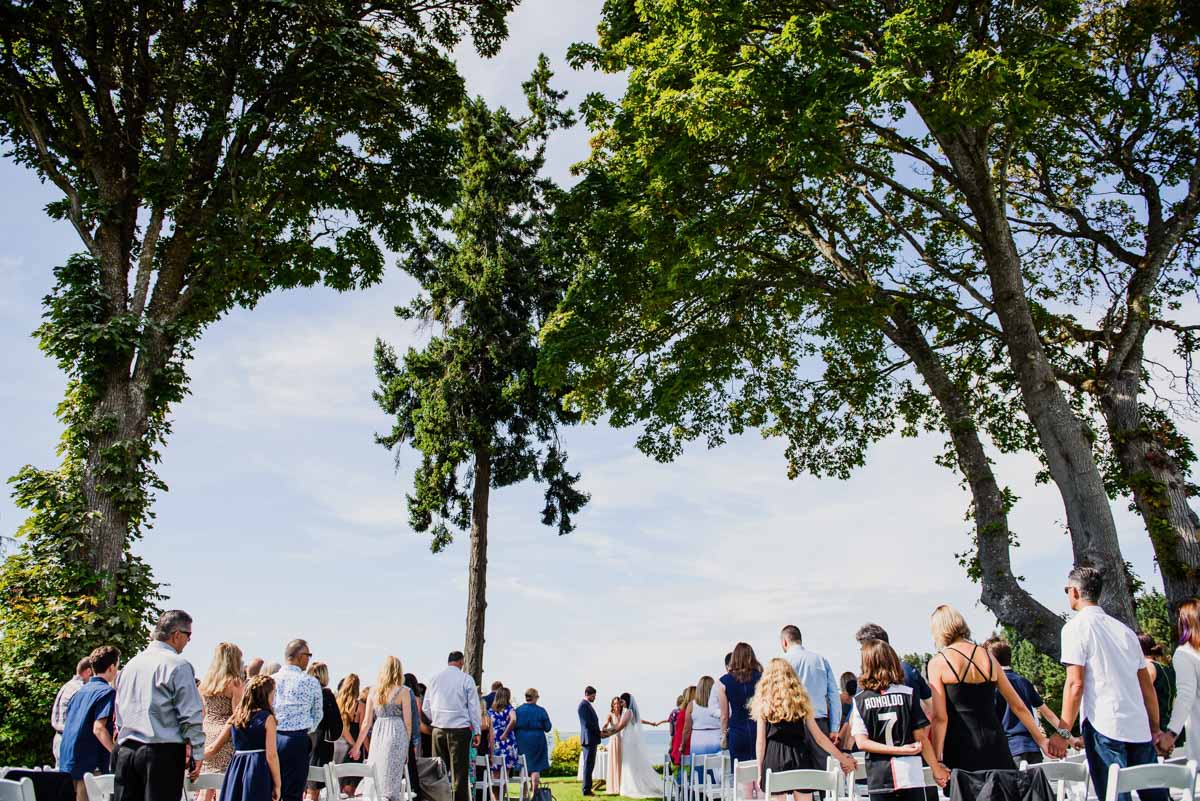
484 718
225 669
391 676
502 700
948 626
257 697
347 699
320 672
531 696
689 695
704 689
779 696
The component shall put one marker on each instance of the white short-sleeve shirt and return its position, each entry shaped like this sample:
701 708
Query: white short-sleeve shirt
1111 656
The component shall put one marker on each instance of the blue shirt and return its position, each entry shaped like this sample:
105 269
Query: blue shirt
816 675
298 702
82 752
914 679
1019 739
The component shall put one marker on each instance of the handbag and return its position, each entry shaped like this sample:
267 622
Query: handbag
543 794
434 779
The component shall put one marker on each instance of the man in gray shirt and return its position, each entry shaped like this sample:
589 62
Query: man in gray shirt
159 716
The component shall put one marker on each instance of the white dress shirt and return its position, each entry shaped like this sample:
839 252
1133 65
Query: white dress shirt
452 701
1185 712
1110 654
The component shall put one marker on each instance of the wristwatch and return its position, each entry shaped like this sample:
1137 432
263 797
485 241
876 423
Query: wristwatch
1064 733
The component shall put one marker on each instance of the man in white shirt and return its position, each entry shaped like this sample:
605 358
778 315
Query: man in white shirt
452 705
1108 686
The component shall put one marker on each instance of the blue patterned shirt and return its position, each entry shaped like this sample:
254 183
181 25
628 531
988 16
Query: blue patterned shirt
298 705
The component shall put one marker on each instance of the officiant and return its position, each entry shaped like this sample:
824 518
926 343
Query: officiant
589 736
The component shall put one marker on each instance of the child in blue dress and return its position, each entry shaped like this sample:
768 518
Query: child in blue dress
253 773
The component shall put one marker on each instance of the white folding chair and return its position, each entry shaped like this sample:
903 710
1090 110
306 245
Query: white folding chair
668 787
483 786
355 770
788 781
712 777
745 774
207 781
99 788
523 778
850 783
693 768
501 779
18 790
1152 777
1061 774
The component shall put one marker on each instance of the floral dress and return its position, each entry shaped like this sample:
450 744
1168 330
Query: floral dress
506 747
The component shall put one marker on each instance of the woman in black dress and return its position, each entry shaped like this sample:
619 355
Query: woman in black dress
964 678
782 713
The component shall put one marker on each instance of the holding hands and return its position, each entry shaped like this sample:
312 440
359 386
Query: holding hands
1164 743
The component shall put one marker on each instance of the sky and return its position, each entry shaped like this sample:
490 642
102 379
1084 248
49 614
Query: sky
284 519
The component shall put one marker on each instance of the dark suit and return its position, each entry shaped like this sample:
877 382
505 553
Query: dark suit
589 737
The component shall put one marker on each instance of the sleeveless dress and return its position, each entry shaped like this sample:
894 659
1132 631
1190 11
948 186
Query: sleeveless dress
389 746
217 709
706 727
742 730
612 784
787 749
249 776
504 747
975 740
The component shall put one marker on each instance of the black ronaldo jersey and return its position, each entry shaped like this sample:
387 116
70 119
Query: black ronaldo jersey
889 718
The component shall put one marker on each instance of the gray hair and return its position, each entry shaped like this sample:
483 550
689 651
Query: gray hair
172 620
294 648
270 669
1089 580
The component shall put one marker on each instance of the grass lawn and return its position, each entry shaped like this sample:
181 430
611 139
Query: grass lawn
569 789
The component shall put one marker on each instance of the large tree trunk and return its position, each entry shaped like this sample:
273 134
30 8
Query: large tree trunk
477 569
1001 593
1156 480
1063 436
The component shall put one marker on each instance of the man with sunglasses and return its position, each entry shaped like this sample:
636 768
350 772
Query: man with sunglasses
1108 687
298 710
159 716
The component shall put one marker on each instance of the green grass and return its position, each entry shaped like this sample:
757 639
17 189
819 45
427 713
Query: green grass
569 789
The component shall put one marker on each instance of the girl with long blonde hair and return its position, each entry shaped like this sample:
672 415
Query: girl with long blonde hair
389 722
782 712
221 690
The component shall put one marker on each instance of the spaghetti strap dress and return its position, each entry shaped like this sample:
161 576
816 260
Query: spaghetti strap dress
975 739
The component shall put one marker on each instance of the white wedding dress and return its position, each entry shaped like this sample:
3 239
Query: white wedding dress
639 779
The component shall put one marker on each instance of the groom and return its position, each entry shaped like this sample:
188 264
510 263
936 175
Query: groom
589 736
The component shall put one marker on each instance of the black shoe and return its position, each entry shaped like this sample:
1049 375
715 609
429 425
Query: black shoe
588 793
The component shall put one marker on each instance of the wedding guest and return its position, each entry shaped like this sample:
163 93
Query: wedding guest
888 722
389 721
426 724
912 676
299 707
220 690
159 715
451 702
532 725
1021 743
351 711
255 667
816 674
503 716
612 724
681 744
708 718
254 771
1162 676
87 741
490 697
589 736
58 712
487 737
270 669
739 682
1107 685
1186 710
848 684
414 744
966 732
785 725
329 730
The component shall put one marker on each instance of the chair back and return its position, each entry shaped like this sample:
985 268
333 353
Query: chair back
1062 773
214 781
745 773
1152 777
787 781
355 770
98 788
21 790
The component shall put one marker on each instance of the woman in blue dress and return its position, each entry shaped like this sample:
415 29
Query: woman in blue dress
532 725
253 772
739 682
504 725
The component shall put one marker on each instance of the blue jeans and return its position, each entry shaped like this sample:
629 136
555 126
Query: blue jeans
1104 751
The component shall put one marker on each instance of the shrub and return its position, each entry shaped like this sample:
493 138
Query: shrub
564 759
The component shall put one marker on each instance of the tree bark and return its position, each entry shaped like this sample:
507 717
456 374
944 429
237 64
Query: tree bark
1155 479
1011 603
477 568
1064 438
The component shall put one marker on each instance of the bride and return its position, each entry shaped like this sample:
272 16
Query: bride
638 779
